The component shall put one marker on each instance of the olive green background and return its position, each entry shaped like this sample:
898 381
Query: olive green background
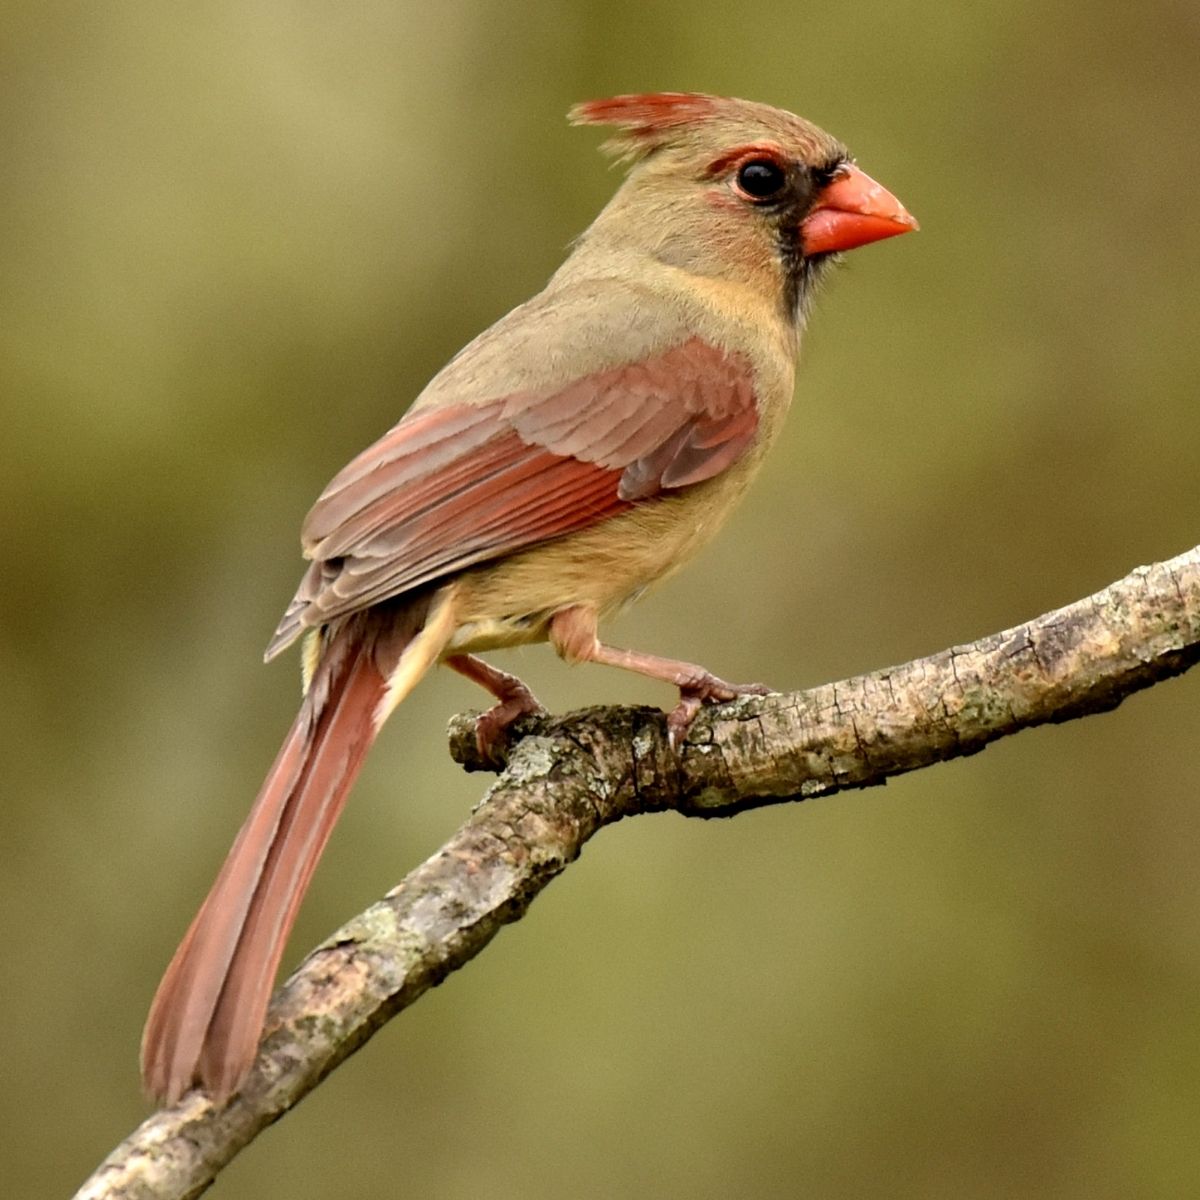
235 240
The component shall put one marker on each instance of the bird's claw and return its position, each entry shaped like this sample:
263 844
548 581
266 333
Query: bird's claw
694 694
491 727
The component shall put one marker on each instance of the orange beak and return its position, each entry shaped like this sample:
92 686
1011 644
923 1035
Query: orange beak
852 211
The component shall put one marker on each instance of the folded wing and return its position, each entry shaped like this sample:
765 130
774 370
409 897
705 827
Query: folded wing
459 484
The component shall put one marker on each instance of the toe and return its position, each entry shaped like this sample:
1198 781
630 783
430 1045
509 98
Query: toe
754 689
680 718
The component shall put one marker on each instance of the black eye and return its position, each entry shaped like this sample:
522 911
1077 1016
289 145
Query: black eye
761 179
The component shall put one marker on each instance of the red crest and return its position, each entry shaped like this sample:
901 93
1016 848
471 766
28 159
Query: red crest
646 118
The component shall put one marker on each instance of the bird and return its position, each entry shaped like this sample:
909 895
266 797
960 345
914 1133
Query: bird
576 452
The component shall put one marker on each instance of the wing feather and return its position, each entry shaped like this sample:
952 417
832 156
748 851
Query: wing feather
457 485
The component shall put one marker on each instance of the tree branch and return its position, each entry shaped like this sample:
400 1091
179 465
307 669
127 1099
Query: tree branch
567 777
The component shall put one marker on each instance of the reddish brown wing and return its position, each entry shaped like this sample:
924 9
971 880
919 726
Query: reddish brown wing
460 484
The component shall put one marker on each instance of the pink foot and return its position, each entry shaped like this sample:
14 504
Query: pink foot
491 728
704 688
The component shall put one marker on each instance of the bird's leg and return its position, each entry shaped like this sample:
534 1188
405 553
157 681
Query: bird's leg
513 700
573 635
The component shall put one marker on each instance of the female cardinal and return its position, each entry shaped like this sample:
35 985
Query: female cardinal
577 451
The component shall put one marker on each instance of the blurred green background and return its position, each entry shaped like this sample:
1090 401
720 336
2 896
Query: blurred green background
236 239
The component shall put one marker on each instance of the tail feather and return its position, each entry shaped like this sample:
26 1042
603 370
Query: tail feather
340 743
208 1013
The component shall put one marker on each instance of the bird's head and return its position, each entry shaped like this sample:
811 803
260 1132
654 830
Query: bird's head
735 190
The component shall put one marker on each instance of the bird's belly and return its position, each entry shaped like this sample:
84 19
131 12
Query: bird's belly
605 567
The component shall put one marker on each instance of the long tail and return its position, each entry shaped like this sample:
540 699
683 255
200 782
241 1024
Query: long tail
208 1013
